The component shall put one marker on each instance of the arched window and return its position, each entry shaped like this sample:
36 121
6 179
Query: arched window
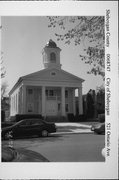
53 57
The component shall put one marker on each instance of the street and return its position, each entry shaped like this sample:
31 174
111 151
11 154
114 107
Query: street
65 148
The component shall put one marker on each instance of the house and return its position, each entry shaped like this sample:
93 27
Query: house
49 92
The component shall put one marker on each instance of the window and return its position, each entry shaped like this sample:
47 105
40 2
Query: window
51 93
66 94
36 122
23 123
53 57
59 105
53 73
67 107
30 91
46 92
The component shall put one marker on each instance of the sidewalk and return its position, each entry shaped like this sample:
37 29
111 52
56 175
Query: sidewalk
69 128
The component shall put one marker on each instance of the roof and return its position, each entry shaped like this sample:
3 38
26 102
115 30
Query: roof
51 44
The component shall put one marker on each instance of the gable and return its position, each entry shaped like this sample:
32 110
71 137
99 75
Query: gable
52 75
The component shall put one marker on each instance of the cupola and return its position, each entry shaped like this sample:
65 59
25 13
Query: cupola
51 55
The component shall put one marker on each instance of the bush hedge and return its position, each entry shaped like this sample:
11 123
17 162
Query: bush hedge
76 118
19 117
71 117
101 118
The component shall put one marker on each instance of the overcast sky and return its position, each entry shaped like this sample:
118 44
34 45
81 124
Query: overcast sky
23 39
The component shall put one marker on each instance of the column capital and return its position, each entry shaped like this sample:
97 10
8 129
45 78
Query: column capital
43 87
80 87
24 85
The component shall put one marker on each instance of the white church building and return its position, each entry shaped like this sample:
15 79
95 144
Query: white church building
48 92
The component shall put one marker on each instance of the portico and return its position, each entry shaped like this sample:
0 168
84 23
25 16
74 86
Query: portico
48 100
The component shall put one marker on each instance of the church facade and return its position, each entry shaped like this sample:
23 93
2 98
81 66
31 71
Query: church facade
48 92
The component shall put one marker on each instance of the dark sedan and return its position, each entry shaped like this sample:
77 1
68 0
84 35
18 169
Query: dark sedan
98 128
29 127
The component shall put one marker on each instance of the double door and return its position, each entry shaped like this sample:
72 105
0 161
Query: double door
51 108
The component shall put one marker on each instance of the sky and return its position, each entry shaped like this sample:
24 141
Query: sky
24 37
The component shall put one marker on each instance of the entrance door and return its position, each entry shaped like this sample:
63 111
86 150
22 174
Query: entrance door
51 108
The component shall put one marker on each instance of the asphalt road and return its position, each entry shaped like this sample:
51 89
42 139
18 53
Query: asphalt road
65 148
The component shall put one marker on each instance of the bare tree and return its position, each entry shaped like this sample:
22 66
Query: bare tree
4 87
2 68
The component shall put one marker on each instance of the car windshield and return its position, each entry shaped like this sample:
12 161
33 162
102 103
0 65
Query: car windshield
29 122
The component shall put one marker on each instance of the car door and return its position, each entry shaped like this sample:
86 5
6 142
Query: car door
22 129
37 126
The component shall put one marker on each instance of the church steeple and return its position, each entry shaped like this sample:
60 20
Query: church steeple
51 55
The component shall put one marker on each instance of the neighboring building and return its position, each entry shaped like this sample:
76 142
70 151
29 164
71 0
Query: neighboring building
49 92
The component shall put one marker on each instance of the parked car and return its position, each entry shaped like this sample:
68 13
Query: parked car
29 127
101 118
98 128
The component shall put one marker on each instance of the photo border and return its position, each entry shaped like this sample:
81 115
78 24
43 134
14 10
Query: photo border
81 170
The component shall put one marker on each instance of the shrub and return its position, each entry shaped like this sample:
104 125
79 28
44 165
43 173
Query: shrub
101 118
71 117
79 118
19 117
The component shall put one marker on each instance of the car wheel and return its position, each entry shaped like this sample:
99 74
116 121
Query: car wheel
44 133
8 135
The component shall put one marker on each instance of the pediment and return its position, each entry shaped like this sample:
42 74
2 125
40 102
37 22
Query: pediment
52 75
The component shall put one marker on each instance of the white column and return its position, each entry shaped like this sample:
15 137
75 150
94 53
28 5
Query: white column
16 104
11 107
19 106
43 101
63 100
74 104
24 99
80 100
